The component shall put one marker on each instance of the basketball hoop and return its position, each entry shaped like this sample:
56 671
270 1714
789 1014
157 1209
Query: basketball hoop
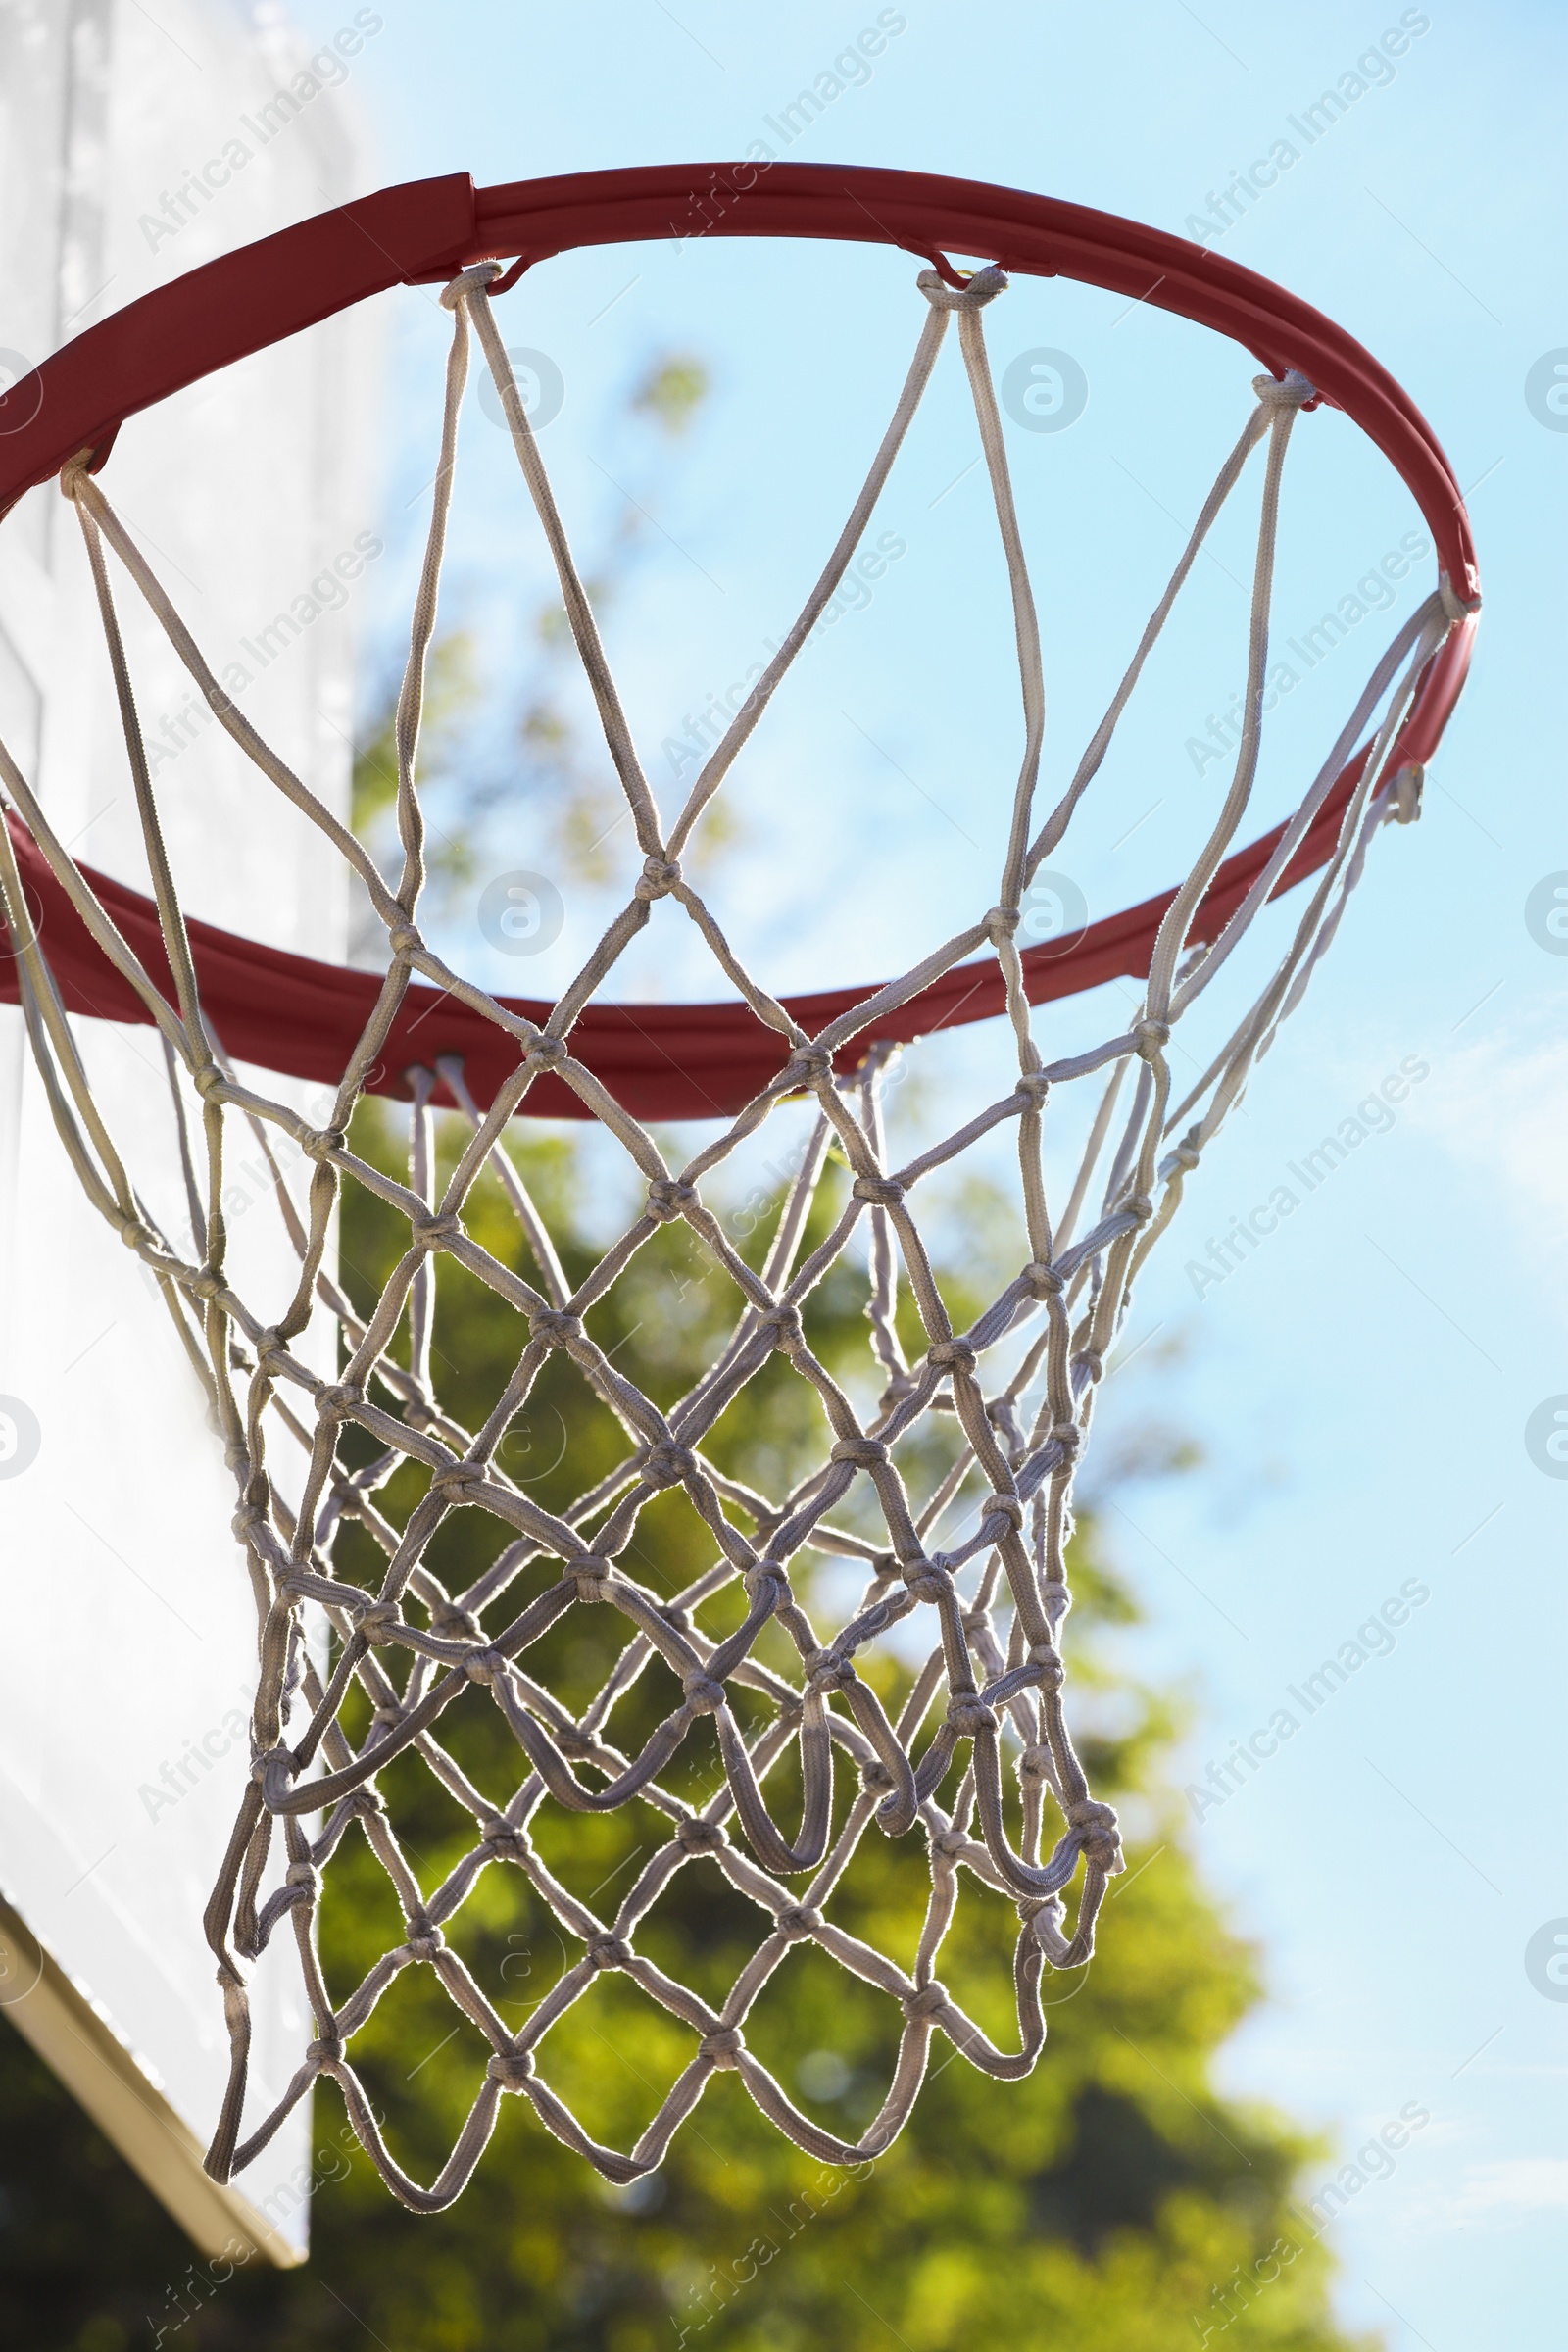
994 1677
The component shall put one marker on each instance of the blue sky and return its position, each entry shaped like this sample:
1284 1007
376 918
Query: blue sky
1362 1383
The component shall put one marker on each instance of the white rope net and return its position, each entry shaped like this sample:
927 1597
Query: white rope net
991 1691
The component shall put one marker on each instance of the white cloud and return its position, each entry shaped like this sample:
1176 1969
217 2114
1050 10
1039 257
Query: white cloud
1497 1109
1517 2184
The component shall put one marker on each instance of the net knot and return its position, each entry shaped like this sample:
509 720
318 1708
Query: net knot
453 1624
885 1192
1136 1205
798 1921
876 1780
788 1329
925 1581
206 1284
574 1742
483 1665
271 1351
1032 1083
607 1951
470 281
968 1714
135 1233
425 1938
545 1052
435 1232
1043 1279
512 2069
246 1520
668 1199
950 1842
404 941
1098 1832
303 1874
1068 1438
380 1623
1046 1659
808 1065
704 1696
982 287
659 876
320 1142
590 1574
826 1672
557 1325
766 1581
325 2051
1150 1036
367 1805
208 1080
864 1450
1003 1506
73 473
953 1353
1292 391
456 1480
503 1838
1034 1764
923 2004
698 1836
1184 1155
1000 922
666 1464
723 2048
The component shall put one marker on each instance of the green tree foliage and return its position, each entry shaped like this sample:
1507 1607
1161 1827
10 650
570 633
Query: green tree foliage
1114 2201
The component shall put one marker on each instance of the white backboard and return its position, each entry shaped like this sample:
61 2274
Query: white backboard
130 150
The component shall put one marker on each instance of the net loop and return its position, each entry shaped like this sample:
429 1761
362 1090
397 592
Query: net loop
983 286
473 280
1293 390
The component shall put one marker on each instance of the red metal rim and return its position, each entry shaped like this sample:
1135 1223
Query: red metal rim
427 230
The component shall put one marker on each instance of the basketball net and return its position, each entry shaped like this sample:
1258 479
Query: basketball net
988 1705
